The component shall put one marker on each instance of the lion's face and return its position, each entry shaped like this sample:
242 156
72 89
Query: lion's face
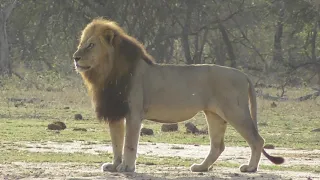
92 53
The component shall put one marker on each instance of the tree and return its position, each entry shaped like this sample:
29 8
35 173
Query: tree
277 45
5 64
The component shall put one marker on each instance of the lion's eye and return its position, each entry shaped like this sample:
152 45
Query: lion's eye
90 46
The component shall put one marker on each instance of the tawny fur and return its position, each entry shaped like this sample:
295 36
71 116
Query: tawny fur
127 86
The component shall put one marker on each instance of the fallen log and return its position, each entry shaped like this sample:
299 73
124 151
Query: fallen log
302 98
309 96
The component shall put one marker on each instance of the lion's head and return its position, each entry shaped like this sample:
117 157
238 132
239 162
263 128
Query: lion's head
94 50
104 47
106 59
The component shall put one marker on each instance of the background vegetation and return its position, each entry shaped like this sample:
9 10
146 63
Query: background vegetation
277 39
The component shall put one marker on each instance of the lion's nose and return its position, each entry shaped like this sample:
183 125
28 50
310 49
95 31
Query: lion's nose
77 59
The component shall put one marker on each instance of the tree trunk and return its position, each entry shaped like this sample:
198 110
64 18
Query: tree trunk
277 47
5 63
220 55
313 47
199 46
185 34
314 40
228 44
4 46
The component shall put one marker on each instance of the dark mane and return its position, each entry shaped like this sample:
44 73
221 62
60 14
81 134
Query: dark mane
131 46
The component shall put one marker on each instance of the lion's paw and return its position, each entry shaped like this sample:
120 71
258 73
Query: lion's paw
247 168
125 168
198 168
108 167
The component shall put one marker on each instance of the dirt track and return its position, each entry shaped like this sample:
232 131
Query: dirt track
231 154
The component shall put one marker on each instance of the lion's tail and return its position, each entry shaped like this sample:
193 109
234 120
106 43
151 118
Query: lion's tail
253 112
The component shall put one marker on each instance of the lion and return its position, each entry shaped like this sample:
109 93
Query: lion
127 86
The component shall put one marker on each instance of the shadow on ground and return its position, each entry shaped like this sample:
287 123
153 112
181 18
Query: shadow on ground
183 173
189 176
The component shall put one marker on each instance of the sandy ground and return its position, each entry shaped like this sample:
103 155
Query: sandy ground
21 170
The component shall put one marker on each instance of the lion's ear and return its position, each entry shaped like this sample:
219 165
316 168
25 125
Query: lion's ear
109 36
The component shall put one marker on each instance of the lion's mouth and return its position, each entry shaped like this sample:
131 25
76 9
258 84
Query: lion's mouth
82 68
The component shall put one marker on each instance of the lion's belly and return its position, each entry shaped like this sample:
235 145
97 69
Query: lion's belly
173 110
170 114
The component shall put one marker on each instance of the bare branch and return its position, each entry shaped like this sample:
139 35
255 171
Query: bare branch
244 36
296 67
215 21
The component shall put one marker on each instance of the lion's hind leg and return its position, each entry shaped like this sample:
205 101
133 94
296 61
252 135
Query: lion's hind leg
241 120
216 127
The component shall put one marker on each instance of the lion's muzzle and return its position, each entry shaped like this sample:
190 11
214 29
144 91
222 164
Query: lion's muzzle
81 68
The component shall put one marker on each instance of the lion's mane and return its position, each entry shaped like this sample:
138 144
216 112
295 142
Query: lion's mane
109 96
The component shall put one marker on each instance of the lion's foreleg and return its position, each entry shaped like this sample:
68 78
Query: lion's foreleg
117 138
133 125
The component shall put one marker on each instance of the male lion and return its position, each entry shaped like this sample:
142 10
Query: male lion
125 83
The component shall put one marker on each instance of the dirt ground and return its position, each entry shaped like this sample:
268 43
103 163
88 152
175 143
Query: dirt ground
21 170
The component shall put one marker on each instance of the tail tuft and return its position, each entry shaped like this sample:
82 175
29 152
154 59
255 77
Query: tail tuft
274 159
